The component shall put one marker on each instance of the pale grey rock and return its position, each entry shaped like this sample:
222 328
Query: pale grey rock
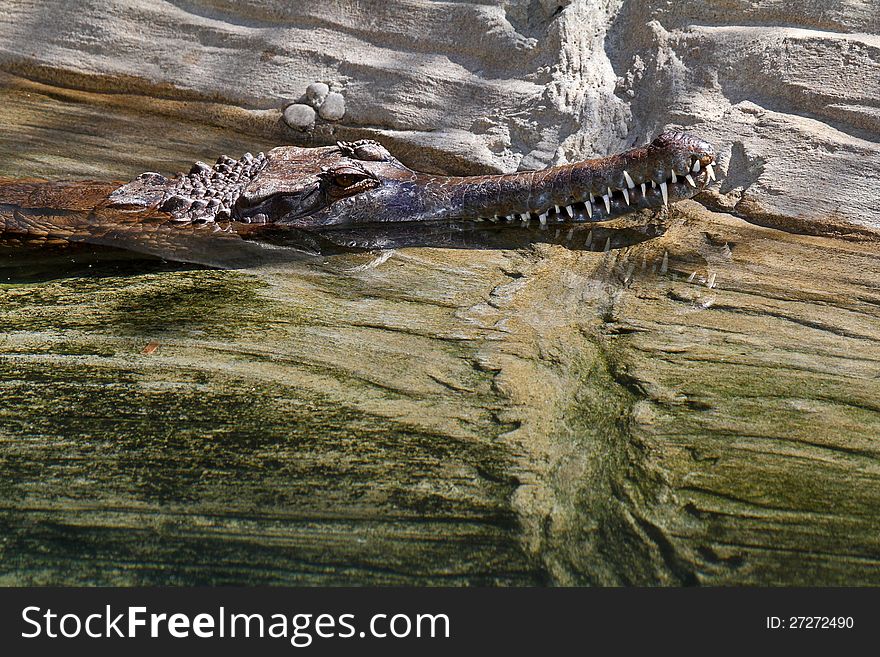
316 93
333 107
783 94
299 116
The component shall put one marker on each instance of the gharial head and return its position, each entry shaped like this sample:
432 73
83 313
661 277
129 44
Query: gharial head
361 182
311 187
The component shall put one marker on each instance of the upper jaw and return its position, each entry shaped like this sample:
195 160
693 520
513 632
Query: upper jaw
636 180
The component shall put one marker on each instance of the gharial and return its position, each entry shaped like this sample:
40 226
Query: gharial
327 190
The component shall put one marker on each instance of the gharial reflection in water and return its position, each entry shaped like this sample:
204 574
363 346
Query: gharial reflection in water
127 255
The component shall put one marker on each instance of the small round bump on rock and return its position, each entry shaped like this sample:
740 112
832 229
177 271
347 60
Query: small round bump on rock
316 93
299 116
333 107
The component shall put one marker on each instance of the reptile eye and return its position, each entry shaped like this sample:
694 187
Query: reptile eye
348 177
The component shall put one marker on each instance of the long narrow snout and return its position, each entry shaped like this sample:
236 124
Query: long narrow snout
673 167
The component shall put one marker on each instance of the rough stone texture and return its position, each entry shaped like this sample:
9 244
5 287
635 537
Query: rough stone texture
299 116
333 107
793 108
316 93
698 408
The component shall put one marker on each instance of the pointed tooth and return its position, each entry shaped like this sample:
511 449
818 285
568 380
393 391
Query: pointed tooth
629 180
543 218
607 244
557 233
664 192
653 185
569 211
696 167
592 198
589 242
557 210
692 277
674 178
589 207
664 266
644 190
625 195
690 180
568 235
711 281
607 203
710 171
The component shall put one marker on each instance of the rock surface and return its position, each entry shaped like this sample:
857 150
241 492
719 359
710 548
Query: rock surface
698 408
333 107
316 93
299 116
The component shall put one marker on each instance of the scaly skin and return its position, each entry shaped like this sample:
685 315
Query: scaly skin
330 190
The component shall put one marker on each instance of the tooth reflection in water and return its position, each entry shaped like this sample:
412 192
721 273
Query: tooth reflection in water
467 235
